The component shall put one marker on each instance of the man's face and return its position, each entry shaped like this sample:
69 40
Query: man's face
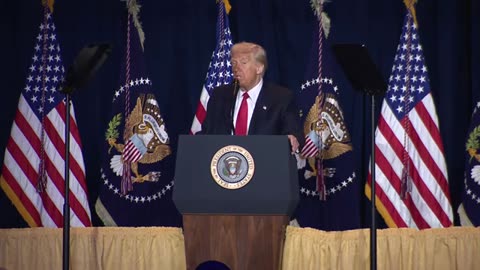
246 70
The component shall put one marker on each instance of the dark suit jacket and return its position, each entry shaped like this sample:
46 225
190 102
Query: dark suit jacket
275 112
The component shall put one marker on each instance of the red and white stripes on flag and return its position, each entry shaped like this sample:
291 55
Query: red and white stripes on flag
310 149
201 112
131 152
411 174
37 135
219 71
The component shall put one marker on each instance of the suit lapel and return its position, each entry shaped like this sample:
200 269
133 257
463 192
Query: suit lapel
260 110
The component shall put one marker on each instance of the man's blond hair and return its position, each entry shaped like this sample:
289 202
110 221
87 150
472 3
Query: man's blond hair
258 52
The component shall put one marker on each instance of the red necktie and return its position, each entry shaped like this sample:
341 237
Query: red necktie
242 117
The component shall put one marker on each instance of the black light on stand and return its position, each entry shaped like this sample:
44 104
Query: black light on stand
87 62
364 76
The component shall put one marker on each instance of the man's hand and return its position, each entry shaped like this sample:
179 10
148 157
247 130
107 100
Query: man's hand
294 143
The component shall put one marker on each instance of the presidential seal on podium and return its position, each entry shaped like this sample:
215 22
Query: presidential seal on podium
232 167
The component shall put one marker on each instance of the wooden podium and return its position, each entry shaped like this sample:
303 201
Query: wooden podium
242 227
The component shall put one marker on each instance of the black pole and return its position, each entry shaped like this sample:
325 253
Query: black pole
84 66
365 77
66 205
373 226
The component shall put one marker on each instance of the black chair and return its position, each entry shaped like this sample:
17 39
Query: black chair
212 265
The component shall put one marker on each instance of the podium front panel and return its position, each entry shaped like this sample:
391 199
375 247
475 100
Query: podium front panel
273 188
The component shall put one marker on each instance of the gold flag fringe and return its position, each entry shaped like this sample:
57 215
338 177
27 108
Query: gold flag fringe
49 4
228 7
411 7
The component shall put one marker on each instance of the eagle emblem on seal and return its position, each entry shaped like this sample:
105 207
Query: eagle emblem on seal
232 167
472 146
146 142
326 127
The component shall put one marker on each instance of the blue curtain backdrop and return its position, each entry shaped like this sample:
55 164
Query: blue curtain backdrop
180 37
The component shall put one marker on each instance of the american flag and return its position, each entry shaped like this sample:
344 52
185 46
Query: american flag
36 147
219 70
411 173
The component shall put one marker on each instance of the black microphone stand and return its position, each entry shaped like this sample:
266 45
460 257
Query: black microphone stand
66 204
85 64
373 225
234 102
364 77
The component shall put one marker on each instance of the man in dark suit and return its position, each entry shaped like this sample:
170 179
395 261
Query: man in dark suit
250 106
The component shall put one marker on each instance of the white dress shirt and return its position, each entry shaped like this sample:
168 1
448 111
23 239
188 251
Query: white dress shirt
251 101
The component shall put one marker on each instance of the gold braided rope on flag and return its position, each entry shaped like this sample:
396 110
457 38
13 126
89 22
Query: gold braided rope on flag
411 7
49 4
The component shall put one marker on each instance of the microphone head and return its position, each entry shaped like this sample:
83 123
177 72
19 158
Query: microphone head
236 87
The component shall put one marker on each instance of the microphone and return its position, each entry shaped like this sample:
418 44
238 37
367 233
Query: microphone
236 88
